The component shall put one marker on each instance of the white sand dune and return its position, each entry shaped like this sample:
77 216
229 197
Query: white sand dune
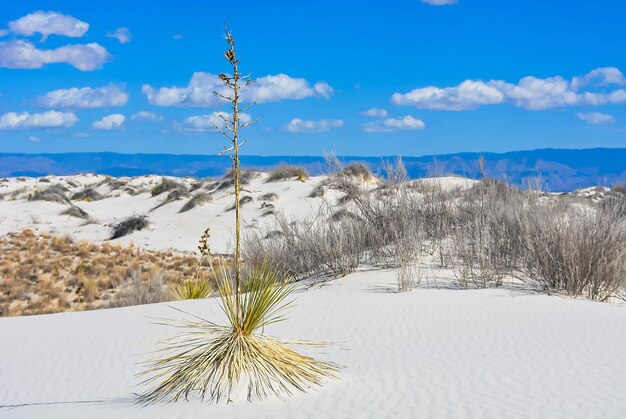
441 353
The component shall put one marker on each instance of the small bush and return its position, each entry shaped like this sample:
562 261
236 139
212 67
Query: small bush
242 201
358 171
200 198
54 193
166 185
134 291
129 225
77 212
285 172
268 197
175 195
87 195
228 181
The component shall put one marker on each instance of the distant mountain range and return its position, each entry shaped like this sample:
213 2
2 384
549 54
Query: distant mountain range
559 169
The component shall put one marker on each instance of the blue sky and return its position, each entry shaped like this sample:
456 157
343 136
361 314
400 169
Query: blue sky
475 75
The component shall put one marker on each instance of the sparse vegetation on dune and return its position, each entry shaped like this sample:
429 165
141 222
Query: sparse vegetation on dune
129 225
88 195
287 172
484 233
199 199
42 273
54 193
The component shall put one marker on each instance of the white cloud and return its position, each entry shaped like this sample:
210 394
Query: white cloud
48 23
85 97
596 118
4 32
123 35
207 123
81 135
439 2
375 112
109 122
530 93
199 91
146 116
406 123
298 125
49 119
23 54
34 138
177 37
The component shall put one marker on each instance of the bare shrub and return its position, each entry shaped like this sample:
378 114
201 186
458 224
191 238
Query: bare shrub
135 291
581 252
87 195
166 185
200 198
77 212
176 195
54 193
228 181
268 197
242 201
358 171
129 225
285 172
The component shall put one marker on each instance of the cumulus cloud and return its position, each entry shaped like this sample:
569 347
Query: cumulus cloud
208 122
109 122
85 98
49 119
375 112
199 91
23 54
123 35
146 116
596 118
530 93
439 2
298 125
48 23
405 123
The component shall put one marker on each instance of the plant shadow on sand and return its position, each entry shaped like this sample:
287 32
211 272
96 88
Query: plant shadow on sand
129 401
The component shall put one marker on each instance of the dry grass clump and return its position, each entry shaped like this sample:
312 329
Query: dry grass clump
129 225
55 193
268 197
199 199
41 273
87 195
286 172
77 212
242 201
175 195
210 359
134 291
166 185
358 171
228 181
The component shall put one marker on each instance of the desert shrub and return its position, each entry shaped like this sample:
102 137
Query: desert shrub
358 171
54 193
242 201
227 182
200 198
77 212
166 185
129 225
268 197
285 172
175 195
135 291
88 195
619 188
579 251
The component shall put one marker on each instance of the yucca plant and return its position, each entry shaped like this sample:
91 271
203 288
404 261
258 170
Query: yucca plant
210 359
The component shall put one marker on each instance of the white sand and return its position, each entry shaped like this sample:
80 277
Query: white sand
497 353
427 353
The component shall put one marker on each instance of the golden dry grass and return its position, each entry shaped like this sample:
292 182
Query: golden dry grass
42 273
